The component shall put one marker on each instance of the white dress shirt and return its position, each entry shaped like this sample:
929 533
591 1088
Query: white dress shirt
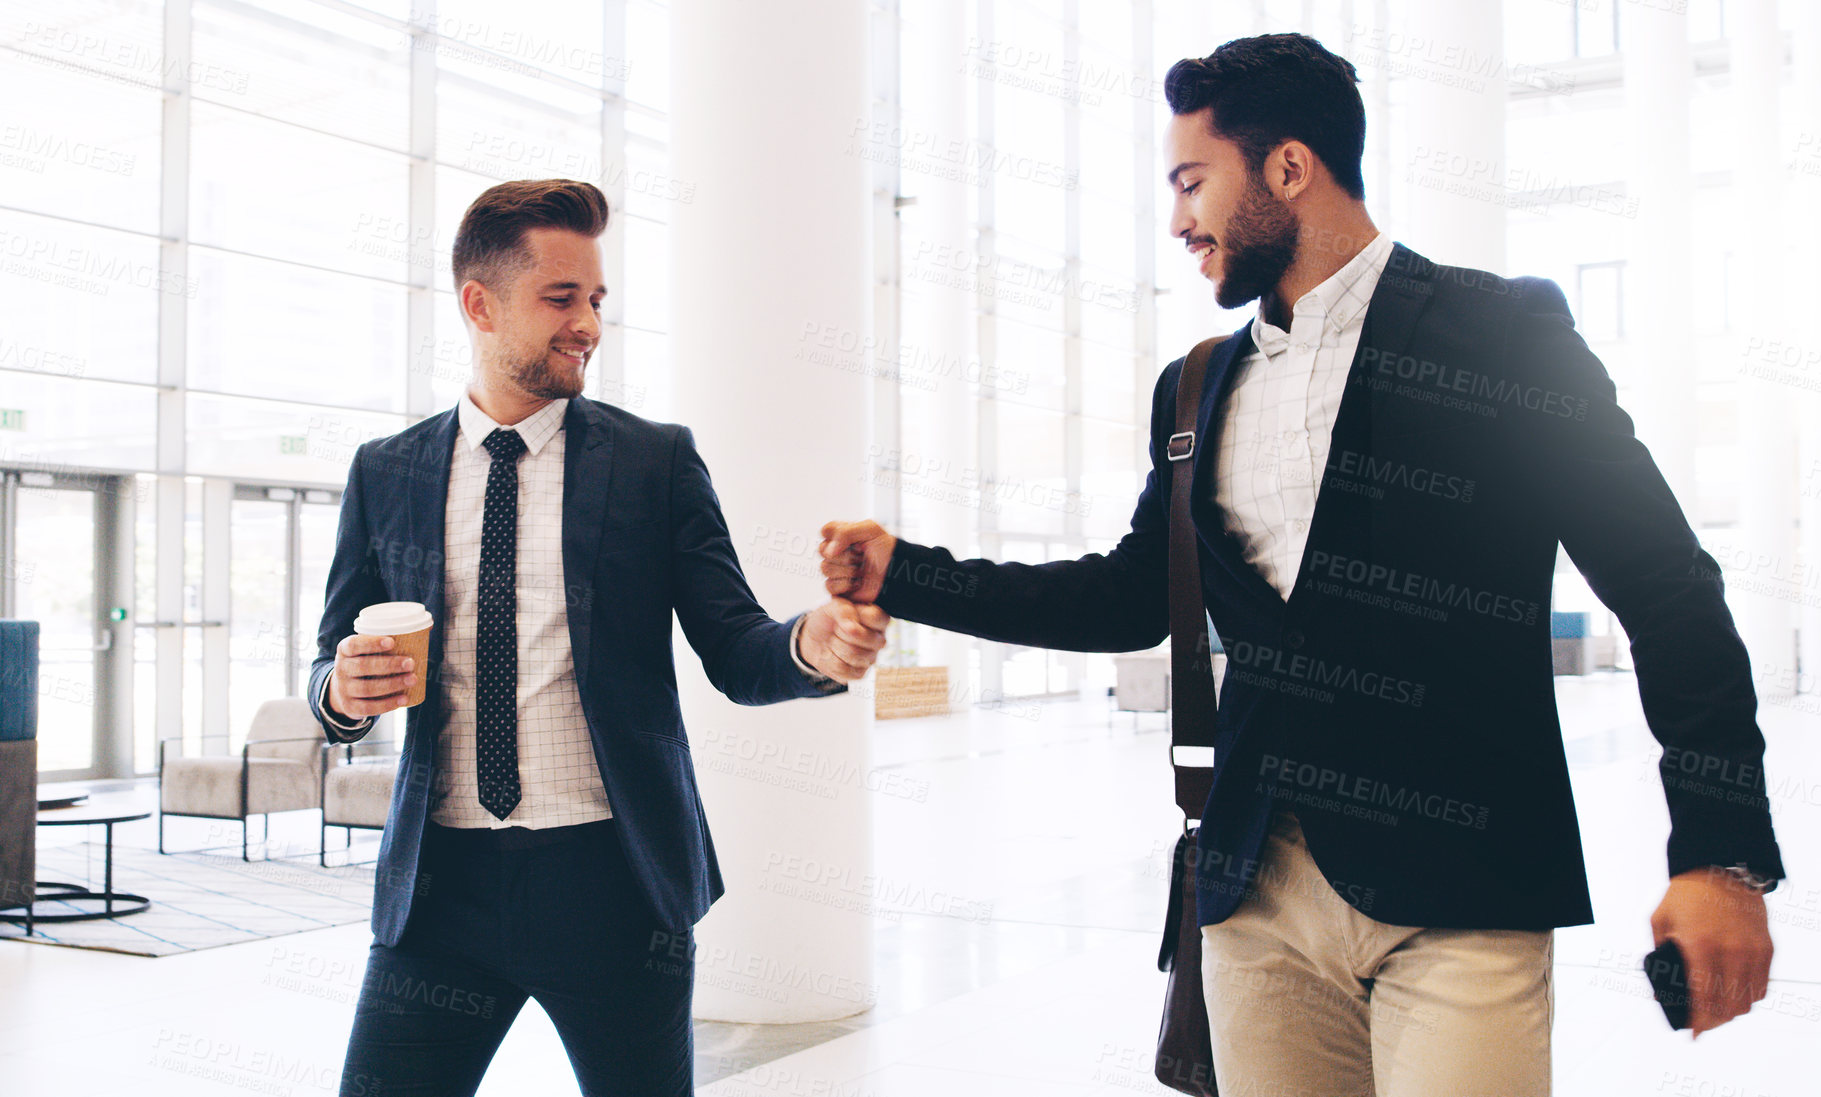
1279 416
559 779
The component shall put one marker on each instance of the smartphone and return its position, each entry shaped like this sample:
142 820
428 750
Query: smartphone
1668 982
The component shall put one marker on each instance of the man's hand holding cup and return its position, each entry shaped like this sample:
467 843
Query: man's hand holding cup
381 666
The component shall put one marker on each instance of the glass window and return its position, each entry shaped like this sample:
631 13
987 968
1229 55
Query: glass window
1109 239
112 41
647 389
1596 27
1029 489
452 356
1108 376
316 525
263 328
1707 20
1028 199
492 123
643 176
81 302
1599 310
648 76
273 189
1713 293
79 147
1108 158
647 288
561 40
1109 309
1111 476
1537 32
1030 359
304 63
456 190
273 441
55 562
258 578
85 424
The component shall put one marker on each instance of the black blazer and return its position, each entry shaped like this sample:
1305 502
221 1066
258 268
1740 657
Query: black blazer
643 538
1401 701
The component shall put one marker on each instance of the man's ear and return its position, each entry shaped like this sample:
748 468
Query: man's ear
1291 169
477 306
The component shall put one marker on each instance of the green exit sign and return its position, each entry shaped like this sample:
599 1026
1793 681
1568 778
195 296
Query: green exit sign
293 445
12 418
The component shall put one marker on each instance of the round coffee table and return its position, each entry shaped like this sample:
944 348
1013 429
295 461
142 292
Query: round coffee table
115 904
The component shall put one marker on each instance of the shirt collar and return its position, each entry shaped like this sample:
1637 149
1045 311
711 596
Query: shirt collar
535 430
1337 302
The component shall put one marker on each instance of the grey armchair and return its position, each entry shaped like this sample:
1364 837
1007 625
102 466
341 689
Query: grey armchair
279 769
356 790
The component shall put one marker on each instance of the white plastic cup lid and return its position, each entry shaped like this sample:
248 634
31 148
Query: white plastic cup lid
392 619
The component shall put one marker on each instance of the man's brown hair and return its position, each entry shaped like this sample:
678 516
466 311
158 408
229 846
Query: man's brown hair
490 244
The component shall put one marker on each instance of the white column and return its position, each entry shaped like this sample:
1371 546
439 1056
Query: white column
170 515
1659 293
1764 611
1456 102
949 430
769 110
1804 287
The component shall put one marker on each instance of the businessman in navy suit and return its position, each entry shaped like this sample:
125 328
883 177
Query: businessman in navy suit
1385 461
546 838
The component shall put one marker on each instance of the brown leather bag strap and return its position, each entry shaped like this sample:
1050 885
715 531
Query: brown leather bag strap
1192 701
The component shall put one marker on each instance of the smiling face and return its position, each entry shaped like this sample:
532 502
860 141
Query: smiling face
1243 235
535 337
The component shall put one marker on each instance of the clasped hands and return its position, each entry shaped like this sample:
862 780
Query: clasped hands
842 638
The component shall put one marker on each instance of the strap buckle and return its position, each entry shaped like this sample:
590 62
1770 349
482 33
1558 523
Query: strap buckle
1181 446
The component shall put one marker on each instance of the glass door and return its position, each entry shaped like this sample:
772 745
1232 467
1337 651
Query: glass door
281 542
51 578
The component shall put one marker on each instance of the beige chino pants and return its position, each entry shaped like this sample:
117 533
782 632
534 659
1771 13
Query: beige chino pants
1308 997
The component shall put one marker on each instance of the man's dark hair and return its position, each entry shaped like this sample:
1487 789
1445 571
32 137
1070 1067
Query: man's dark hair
490 245
1276 88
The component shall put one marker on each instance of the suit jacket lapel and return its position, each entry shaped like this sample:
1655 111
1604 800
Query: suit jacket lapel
426 502
587 460
1404 288
1210 519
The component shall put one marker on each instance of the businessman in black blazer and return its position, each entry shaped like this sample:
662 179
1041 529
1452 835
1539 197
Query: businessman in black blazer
546 839
1384 463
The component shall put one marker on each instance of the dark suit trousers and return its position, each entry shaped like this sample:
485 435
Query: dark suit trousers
500 916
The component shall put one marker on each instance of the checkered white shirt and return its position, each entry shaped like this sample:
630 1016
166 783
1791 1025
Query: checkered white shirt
559 779
1279 416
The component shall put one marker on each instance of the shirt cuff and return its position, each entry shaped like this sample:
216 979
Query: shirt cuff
335 721
796 632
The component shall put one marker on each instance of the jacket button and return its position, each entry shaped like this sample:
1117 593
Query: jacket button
1293 638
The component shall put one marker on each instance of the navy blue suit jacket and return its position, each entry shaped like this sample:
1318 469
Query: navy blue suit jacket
1401 700
643 537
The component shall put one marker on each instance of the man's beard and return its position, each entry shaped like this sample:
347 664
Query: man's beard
1260 244
537 377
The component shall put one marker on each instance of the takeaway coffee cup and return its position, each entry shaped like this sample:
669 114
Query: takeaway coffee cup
408 623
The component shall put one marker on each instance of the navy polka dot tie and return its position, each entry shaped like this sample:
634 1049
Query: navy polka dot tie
496 640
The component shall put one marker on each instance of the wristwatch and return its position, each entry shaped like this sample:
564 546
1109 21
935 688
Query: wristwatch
1744 875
